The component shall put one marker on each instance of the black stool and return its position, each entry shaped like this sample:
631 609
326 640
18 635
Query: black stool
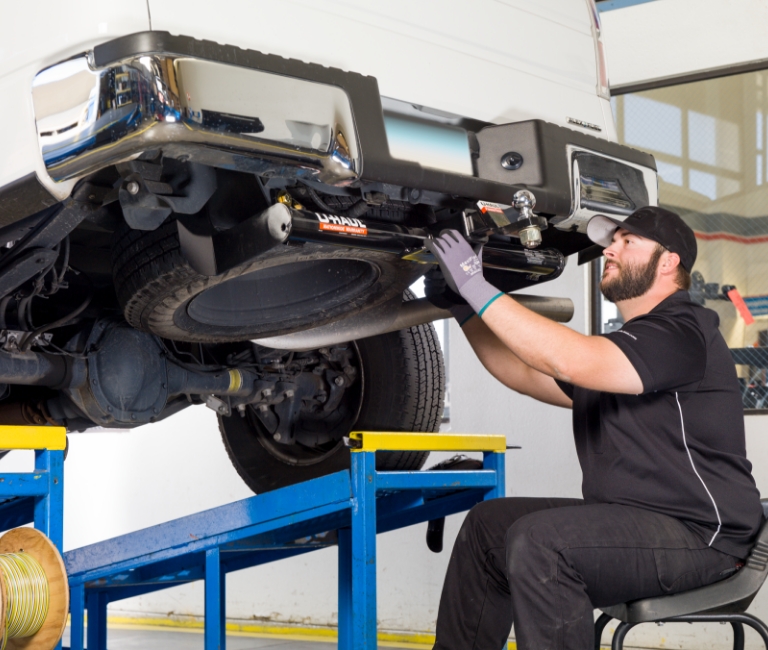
723 602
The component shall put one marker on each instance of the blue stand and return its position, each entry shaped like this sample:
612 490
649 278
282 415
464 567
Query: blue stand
347 509
35 497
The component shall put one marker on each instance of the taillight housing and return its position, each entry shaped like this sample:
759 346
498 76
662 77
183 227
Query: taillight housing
603 86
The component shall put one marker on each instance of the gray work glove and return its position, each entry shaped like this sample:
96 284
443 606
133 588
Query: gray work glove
463 270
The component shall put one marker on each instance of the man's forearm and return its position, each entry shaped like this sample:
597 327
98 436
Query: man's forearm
510 369
497 358
495 355
535 340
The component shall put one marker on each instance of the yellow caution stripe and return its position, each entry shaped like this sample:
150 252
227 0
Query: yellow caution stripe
407 441
22 437
414 640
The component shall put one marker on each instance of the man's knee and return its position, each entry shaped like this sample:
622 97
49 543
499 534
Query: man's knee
531 545
476 520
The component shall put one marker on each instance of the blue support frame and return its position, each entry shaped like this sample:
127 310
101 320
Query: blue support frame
362 556
215 601
356 504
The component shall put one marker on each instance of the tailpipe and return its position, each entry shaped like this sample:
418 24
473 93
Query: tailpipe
398 315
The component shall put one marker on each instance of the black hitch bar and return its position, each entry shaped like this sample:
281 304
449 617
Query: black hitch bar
215 252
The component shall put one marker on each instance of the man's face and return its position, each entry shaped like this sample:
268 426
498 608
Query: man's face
631 263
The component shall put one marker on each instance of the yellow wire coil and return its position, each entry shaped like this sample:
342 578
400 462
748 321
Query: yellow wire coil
28 596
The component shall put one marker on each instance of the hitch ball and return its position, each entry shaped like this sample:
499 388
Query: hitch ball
524 202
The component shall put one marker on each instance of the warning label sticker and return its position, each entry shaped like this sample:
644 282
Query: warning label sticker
345 225
486 206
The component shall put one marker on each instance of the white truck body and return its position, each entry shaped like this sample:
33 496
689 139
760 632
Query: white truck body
497 62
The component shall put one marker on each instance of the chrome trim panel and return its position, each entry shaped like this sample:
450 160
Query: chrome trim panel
580 215
191 108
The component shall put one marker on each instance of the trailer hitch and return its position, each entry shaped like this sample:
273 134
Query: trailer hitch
212 252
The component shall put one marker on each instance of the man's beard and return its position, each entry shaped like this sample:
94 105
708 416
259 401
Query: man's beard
632 281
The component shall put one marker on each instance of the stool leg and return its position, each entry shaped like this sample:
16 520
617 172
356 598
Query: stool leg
738 635
600 624
619 634
756 624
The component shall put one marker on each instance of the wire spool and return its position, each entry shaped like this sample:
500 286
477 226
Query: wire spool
34 595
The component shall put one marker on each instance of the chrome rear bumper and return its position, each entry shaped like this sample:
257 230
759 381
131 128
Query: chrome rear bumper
224 106
214 113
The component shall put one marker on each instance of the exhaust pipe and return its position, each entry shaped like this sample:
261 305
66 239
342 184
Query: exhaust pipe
392 316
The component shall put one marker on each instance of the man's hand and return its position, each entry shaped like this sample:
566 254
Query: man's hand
463 270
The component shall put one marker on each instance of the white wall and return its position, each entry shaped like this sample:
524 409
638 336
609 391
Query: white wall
669 38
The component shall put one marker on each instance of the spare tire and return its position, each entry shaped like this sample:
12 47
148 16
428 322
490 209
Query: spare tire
403 387
289 288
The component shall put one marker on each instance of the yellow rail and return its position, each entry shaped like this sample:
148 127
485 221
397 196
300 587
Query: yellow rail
406 441
23 437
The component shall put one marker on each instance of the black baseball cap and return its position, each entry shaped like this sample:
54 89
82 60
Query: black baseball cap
660 225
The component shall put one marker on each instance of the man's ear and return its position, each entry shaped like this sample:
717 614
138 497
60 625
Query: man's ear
669 263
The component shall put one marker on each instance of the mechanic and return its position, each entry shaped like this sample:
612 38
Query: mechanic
669 502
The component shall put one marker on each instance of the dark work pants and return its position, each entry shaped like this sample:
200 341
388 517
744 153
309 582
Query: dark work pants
547 563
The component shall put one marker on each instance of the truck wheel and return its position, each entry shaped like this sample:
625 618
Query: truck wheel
287 289
403 385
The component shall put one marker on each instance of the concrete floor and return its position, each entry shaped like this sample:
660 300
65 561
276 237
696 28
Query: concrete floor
143 638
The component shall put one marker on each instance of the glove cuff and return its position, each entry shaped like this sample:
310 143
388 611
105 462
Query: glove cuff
479 294
462 313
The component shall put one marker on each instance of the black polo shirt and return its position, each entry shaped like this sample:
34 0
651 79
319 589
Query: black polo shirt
678 448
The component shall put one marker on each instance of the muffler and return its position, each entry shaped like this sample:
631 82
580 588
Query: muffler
397 315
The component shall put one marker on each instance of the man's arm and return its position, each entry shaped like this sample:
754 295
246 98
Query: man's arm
509 369
557 351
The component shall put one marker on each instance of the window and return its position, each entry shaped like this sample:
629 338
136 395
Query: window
709 141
